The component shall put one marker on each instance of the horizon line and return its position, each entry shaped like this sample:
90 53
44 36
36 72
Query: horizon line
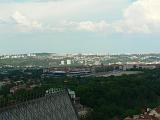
83 53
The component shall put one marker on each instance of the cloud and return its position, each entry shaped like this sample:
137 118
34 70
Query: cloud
18 22
93 26
24 21
142 16
48 16
2 21
89 26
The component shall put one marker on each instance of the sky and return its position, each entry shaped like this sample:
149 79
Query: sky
79 26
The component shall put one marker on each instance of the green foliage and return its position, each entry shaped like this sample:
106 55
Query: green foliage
118 97
4 90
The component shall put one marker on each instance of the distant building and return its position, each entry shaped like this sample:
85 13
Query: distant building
155 112
14 89
148 114
62 62
79 73
72 94
147 66
54 74
69 62
128 66
97 63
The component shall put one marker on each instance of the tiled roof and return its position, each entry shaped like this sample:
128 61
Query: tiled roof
57 106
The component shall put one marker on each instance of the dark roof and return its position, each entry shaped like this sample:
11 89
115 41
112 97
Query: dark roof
57 106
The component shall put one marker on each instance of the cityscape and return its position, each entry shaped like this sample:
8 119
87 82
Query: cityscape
52 59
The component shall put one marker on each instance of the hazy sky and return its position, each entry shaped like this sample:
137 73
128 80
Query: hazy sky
74 26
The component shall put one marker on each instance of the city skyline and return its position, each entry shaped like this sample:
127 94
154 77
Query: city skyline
79 26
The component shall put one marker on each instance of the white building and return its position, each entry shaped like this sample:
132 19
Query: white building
97 63
69 62
72 94
62 62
